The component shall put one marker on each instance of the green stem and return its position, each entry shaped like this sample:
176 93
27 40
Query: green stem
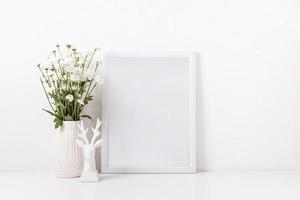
92 89
44 75
61 70
59 52
91 58
85 58
47 96
75 58
88 88
55 72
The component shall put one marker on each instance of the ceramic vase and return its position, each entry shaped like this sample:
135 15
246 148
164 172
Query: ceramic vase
69 157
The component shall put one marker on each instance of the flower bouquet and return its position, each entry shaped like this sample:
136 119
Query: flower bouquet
68 79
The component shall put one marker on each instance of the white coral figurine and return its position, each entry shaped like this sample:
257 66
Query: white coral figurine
89 173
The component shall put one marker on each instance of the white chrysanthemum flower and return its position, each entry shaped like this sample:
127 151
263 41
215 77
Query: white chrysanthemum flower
75 77
52 61
74 87
55 78
100 63
64 53
69 46
80 56
50 72
80 101
49 63
88 74
80 62
51 57
99 79
70 97
69 61
45 64
64 87
44 80
68 68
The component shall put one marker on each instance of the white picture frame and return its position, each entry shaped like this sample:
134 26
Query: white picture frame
126 148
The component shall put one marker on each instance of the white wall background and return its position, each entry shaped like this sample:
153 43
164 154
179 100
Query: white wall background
248 71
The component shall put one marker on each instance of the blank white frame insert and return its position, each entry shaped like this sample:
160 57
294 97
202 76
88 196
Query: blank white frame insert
148 113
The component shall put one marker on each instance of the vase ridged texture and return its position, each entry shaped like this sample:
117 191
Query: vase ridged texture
69 157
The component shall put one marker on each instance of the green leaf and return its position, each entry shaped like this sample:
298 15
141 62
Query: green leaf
56 125
58 122
86 116
89 98
62 105
51 113
68 118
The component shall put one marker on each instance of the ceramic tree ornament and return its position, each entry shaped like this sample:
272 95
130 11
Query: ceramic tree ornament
89 173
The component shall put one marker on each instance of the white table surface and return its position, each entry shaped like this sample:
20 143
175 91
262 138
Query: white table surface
283 185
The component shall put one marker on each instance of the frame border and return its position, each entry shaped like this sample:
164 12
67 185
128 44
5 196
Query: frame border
191 168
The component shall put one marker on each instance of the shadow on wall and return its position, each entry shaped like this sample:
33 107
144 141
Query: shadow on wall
200 134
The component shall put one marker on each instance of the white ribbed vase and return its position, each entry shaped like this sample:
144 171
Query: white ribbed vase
69 158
